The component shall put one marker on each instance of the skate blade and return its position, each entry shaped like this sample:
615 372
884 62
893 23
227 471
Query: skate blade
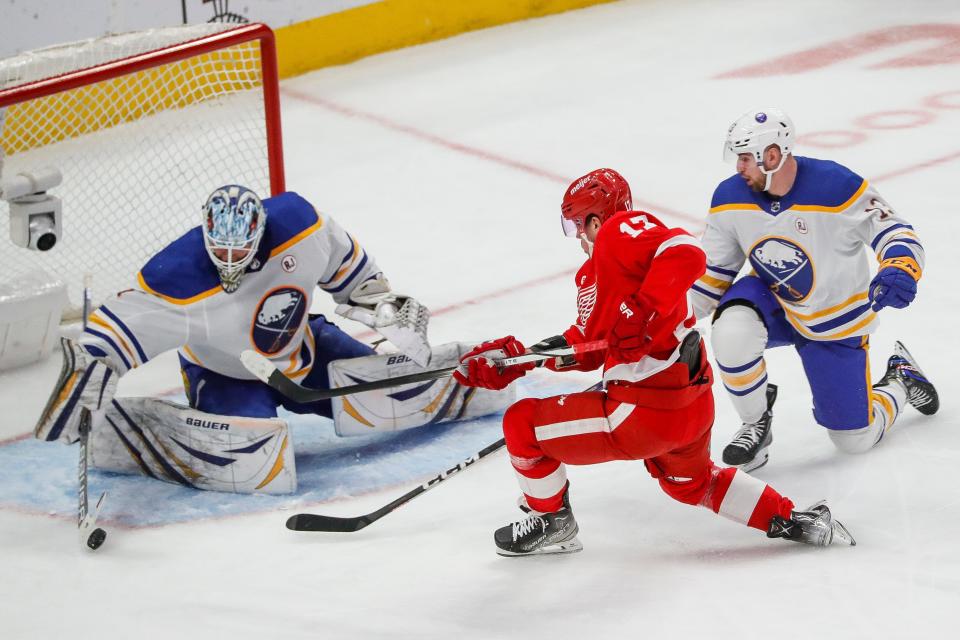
933 405
92 536
841 535
758 461
900 350
572 545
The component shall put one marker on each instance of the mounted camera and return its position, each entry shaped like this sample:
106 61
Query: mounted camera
35 215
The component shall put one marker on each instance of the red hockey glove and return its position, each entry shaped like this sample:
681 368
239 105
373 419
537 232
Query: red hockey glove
477 369
628 339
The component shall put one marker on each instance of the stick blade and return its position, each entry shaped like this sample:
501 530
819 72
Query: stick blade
91 535
257 364
315 522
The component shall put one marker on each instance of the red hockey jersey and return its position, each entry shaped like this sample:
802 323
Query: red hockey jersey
635 253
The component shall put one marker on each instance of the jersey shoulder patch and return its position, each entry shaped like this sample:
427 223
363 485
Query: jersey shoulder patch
181 272
825 186
290 219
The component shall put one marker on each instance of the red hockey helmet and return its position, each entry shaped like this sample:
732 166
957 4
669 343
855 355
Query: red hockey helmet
600 193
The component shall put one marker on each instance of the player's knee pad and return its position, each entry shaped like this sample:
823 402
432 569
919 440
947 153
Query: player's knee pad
857 440
686 490
689 491
738 336
518 429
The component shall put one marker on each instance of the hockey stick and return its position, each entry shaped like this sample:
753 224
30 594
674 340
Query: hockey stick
333 524
91 536
265 370
316 522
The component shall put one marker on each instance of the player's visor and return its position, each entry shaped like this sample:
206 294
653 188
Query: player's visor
570 228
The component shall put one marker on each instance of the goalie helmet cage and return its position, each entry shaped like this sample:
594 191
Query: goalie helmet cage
143 126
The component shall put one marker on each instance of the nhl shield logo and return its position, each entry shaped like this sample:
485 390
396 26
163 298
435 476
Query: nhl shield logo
784 266
277 319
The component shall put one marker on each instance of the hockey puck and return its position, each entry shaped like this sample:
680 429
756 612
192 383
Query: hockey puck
96 538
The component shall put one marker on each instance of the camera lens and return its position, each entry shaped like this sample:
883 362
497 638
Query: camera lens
43 232
46 241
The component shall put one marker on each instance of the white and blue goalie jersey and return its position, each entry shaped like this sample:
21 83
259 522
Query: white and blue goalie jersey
178 303
808 247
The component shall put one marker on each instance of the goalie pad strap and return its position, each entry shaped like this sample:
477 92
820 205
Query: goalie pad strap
177 444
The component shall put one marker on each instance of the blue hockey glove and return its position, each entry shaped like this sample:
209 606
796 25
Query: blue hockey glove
892 287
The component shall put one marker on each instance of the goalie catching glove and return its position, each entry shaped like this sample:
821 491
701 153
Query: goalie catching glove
398 318
85 383
477 369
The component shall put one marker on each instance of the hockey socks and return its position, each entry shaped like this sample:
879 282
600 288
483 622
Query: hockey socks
740 497
543 483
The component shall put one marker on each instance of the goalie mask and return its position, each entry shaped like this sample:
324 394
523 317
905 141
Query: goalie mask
233 224
600 193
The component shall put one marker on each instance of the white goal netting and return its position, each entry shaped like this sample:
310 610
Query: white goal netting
141 139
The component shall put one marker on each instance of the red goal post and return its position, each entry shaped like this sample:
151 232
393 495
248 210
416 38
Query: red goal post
142 126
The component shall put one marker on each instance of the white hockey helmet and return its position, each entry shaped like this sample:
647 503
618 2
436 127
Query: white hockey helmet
233 223
756 130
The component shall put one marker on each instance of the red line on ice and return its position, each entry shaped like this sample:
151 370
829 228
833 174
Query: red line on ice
916 167
353 113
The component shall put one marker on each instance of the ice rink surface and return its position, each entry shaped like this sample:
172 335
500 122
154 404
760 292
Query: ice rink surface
448 161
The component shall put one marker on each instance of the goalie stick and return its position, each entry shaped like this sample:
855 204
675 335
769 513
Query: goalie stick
265 370
333 524
91 535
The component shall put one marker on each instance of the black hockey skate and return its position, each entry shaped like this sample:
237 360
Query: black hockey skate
815 526
902 367
540 533
748 449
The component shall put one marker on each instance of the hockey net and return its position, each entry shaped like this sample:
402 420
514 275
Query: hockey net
143 126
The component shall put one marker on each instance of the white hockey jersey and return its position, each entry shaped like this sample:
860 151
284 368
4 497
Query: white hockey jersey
178 302
808 247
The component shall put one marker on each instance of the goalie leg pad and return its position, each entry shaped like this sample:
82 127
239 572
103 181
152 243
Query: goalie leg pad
84 383
205 451
411 405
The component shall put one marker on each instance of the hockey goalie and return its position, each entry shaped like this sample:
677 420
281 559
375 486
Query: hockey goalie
245 279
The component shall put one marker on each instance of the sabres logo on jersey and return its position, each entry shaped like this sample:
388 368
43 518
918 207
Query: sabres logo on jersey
278 318
784 266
